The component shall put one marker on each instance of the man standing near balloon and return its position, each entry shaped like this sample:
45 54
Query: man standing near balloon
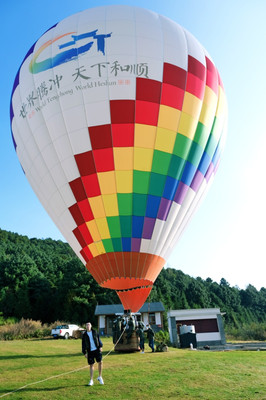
92 349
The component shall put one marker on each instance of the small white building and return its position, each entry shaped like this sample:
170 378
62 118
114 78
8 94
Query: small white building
150 313
208 323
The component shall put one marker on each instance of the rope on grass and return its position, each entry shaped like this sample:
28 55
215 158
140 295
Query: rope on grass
114 344
43 380
57 376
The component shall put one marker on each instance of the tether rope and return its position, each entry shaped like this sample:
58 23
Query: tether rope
64 373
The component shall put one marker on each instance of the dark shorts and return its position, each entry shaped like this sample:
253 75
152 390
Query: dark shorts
94 355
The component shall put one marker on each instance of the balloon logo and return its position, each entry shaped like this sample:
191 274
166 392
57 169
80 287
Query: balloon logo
117 117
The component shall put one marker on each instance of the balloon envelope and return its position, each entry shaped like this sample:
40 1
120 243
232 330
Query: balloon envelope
117 116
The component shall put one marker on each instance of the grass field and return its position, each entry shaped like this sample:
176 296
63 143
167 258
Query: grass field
177 374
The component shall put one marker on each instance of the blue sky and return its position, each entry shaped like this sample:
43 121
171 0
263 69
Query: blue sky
226 238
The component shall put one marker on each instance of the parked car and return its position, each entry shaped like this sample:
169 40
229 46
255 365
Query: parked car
64 331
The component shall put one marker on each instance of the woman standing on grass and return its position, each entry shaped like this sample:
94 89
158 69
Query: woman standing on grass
92 349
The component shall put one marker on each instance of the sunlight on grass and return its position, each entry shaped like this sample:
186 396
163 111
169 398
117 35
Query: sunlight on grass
150 376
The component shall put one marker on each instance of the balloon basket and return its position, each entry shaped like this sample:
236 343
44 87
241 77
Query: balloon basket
126 344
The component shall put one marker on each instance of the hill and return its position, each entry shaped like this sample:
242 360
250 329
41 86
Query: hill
42 279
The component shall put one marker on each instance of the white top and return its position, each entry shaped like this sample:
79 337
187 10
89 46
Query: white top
93 346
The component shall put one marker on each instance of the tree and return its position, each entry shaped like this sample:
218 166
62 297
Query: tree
44 280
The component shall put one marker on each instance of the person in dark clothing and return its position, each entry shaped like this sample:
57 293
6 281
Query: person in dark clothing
92 349
140 333
130 328
150 336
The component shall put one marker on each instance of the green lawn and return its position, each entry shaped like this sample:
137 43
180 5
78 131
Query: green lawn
178 374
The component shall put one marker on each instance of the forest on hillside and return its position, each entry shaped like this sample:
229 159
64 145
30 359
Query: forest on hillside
42 279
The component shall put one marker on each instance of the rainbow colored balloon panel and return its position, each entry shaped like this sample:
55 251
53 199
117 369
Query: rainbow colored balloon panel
118 117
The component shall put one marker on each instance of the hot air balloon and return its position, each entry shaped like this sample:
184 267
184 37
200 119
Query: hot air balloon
118 117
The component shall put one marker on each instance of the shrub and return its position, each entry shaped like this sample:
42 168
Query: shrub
162 337
7 321
24 329
253 331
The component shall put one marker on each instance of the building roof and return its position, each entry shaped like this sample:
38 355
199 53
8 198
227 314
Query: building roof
152 307
112 309
198 313
109 309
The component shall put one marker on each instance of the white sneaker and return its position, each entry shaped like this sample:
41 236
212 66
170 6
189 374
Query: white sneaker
90 383
100 379
142 352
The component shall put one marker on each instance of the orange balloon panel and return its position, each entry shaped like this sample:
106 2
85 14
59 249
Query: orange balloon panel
135 298
126 270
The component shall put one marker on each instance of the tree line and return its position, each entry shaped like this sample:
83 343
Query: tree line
42 279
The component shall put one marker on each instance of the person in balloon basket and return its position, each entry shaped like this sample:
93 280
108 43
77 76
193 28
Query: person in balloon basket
92 349
150 336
